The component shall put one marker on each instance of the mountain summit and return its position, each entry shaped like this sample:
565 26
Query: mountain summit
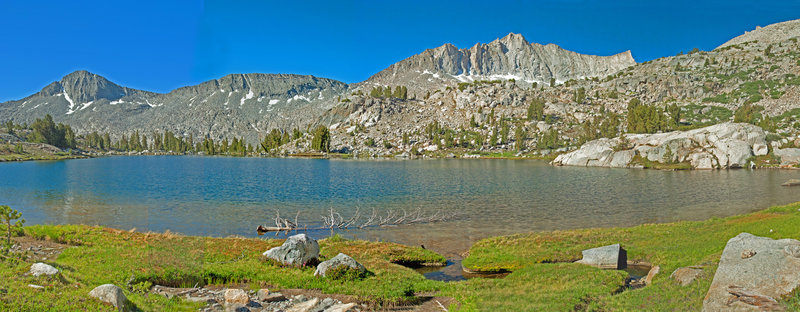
510 57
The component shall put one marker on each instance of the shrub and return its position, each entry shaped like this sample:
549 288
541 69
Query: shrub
346 273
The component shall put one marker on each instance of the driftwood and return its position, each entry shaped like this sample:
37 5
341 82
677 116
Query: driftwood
333 220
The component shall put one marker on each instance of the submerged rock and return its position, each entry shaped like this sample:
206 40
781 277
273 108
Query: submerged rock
606 257
792 182
39 269
296 250
754 283
112 294
726 145
338 261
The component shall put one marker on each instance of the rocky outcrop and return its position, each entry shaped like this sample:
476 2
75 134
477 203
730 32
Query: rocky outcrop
39 269
606 257
753 273
339 261
722 146
296 250
768 34
113 295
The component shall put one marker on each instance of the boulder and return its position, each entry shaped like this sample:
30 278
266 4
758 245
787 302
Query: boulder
726 145
39 269
112 294
296 250
753 273
760 149
338 261
236 297
606 257
789 156
686 275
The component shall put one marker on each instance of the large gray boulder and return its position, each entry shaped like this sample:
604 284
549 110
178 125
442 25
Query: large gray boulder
338 261
753 273
296 250
789 156
39 269
112 294
726 145
606 257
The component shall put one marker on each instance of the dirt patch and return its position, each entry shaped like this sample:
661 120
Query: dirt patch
37 250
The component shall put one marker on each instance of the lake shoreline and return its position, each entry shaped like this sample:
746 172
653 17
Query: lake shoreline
548 158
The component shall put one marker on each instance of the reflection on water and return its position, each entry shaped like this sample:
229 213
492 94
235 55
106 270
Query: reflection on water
231 196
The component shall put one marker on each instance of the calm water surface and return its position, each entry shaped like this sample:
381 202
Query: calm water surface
231 196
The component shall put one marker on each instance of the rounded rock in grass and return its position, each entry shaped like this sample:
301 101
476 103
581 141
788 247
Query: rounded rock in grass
686 275
296 250
39 269
110 293
341 260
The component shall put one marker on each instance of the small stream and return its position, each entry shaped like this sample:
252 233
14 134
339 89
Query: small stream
453 272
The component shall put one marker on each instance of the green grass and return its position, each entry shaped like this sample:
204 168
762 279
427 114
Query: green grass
670 245
542 278
8 152
542 287
135 261
648 164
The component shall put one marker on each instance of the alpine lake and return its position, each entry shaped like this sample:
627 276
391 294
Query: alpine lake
223 196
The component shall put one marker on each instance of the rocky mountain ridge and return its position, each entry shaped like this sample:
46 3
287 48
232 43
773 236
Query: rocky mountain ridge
510 57
237 105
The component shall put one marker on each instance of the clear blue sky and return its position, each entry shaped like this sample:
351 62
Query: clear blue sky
162 45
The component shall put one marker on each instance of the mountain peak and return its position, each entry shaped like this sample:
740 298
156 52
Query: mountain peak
82 86
512 38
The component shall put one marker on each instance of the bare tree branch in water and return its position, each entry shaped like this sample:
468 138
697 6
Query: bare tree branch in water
333 220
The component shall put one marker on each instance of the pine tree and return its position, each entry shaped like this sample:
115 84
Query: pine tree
107 141
519 137
7 215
